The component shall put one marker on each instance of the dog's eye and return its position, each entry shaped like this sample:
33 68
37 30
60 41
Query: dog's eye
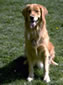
36 11
29 11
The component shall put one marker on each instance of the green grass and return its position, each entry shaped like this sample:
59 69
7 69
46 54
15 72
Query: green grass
12 68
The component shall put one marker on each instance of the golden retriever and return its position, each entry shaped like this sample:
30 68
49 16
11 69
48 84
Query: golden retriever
37 43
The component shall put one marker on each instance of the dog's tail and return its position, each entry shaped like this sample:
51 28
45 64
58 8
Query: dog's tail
51 61
54 63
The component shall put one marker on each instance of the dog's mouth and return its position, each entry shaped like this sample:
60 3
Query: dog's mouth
33 22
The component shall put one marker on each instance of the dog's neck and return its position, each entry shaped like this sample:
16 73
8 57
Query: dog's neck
36 35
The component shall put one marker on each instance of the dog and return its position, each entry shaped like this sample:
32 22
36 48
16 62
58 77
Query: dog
37 43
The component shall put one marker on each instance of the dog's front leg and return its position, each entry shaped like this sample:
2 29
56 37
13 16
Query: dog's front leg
31 72
46 66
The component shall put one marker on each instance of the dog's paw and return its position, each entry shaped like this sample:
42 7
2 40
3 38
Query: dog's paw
29 79
47 79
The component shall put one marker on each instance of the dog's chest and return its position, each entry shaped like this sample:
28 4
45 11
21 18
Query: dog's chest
33 37
33 41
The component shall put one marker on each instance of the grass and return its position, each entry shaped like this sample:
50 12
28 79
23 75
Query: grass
13 71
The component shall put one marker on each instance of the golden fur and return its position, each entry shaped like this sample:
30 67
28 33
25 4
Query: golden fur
37 43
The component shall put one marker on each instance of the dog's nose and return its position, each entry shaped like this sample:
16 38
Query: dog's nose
31 18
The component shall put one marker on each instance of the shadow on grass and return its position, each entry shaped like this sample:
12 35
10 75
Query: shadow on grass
14 70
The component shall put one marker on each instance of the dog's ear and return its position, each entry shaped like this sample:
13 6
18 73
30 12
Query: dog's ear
44 12
24 11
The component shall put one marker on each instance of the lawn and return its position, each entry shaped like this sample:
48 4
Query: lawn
13 70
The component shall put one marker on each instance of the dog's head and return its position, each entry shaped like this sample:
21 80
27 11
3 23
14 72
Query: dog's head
34 13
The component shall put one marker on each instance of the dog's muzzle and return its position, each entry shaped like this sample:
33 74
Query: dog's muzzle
33 22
